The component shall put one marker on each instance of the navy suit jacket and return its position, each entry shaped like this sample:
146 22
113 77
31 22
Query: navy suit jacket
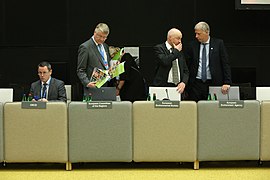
88 58
164 64
218 62
57 90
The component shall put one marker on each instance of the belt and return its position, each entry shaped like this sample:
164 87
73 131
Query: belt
208 81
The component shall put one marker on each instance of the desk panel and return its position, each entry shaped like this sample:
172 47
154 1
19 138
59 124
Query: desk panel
36 135
265 131
100 135
165 134
228 133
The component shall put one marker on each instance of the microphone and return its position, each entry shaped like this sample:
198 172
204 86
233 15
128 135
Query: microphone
166 90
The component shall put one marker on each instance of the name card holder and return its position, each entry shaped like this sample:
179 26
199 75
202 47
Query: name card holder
99 105
167 104
33 105
231 104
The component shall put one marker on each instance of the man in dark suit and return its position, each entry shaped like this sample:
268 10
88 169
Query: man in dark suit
208 64
93 53
47 88
168 55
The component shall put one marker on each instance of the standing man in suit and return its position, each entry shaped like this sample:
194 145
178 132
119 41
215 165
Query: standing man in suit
208 64
47 88
169 54
93 53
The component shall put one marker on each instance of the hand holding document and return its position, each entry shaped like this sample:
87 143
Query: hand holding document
100 77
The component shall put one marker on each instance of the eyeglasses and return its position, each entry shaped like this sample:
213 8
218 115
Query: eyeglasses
101 37
42 73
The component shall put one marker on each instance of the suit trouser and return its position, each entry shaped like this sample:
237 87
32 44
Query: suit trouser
199 90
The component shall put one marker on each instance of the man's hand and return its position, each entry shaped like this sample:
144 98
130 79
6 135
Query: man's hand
178 46
91 84
181 87
225 89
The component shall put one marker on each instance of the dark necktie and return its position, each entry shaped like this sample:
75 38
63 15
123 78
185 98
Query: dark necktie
102 55
44 91
204 78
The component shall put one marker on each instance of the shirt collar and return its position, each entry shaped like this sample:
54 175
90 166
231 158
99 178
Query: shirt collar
208 41
48 82
168 46
94 41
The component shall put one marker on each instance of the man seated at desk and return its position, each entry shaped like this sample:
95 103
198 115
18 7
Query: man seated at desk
47 88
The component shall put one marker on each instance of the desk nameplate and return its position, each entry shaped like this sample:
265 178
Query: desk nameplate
167 104
33 105
231 104
99 105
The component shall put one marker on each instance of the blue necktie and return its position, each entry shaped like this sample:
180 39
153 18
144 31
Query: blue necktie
204 78
44 91
102 55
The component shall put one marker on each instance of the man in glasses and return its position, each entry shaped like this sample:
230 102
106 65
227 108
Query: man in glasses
93 53
47 88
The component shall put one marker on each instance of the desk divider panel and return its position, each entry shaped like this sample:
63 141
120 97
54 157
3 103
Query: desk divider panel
100 135
265 131
226 134
164 134
1 133
36 135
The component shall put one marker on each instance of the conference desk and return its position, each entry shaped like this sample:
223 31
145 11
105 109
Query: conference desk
265 131
1 133
165 134
35 135
139 132
100 134
228 133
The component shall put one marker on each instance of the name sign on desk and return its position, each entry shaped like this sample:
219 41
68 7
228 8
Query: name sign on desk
99 105
231 104
34 105
167 104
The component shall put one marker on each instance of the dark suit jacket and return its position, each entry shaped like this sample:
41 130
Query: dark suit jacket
218 62
89 58
164 64
57 90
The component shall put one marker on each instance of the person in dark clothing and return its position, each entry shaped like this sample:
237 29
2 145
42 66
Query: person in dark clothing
131 86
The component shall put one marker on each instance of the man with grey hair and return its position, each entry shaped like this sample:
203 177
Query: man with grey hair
208 64
94 53
169 55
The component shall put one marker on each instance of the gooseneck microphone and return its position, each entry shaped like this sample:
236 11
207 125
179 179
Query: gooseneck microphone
166 90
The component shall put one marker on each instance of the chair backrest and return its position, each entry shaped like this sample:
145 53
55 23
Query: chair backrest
262 93
6 95
69 92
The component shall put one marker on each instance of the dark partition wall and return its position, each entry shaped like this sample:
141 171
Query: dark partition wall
32 31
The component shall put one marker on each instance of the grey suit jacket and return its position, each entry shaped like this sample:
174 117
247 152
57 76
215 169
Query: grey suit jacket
164 64
57 90
89 58
218 61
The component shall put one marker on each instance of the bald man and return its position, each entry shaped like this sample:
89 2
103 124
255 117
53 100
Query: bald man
167 54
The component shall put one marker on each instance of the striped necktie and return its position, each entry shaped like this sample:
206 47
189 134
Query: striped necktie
103 57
